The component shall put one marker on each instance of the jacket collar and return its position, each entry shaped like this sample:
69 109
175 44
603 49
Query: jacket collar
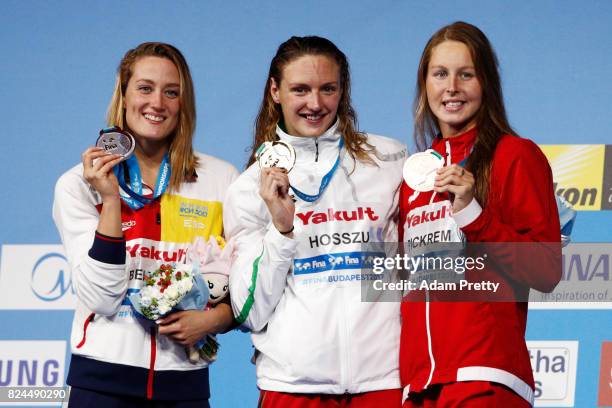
306 147
460 146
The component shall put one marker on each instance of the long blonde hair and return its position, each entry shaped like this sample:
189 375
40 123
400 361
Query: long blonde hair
270 113
183 160
491 119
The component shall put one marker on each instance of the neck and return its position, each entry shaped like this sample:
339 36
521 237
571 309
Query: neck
448 131
150 152
150 157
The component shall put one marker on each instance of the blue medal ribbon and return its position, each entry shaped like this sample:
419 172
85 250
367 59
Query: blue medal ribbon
324 181
132 194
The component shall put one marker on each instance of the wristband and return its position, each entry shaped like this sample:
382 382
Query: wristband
287 232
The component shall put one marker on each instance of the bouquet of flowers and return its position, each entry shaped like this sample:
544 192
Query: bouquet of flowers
163 290
170 287
197 285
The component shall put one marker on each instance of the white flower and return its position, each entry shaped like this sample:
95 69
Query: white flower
145 301
172 293
151 291
163 307
153 302
184 286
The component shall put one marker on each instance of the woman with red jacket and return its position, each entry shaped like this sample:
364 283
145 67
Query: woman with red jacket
492 186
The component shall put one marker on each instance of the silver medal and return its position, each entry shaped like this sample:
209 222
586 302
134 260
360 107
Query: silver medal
117 141
276 154
420 170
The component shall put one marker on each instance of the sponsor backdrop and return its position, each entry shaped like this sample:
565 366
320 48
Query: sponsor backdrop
583 174
57 75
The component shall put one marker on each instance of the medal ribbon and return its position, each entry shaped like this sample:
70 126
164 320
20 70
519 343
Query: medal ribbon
324 181
132 194
110 129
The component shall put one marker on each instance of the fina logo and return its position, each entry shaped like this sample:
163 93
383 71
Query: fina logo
51 277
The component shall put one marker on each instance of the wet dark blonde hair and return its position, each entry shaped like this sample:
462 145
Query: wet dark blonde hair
270 113
183 160
491 119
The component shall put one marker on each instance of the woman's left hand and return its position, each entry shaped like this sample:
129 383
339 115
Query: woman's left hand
459 182
187 327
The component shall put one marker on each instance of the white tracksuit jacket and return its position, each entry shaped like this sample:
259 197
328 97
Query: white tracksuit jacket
113 350
301 297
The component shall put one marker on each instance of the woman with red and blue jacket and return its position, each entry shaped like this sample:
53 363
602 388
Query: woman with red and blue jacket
112 240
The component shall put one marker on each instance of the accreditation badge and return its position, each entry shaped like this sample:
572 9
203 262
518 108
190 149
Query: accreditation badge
420 170
116 141
276 154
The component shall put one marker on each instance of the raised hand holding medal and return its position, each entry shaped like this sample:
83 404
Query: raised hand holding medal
425 171
458 183
114 140
276 159
112 147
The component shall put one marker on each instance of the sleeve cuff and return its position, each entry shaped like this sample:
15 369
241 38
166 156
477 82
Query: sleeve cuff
107 249
285 246
468 215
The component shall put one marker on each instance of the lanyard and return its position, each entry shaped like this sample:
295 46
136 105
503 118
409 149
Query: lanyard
134 198
324 181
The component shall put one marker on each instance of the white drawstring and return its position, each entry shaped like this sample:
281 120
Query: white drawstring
413 197
433 195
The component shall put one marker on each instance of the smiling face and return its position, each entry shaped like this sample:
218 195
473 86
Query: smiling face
218 285
309 94
152 99
454 93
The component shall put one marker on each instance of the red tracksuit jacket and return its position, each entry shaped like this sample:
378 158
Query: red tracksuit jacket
443 342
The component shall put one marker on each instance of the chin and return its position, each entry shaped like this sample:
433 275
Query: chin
158 133
318 131
314 132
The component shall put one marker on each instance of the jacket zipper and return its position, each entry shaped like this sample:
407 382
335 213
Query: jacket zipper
151 373
345 355
316 149
87 321
432 359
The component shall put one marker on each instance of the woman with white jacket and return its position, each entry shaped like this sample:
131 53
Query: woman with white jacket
301 234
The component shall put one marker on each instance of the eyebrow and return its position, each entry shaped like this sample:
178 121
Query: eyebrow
148 81
443 66
291 84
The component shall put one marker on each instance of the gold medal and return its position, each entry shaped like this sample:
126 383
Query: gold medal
276 154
